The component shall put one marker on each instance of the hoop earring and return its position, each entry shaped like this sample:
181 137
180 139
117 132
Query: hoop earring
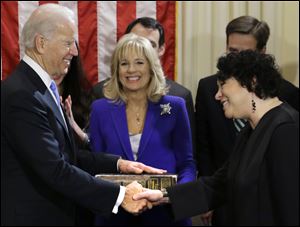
253 105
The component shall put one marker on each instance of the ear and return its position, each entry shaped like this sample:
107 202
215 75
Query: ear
161 50
253 83
263 50
40 43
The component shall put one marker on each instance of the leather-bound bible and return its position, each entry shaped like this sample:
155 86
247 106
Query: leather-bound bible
151 181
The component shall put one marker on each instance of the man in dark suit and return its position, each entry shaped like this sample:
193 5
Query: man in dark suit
216 134
154 31
43 175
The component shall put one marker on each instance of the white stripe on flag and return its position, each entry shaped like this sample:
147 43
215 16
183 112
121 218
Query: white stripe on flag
25 8
146 9
107 36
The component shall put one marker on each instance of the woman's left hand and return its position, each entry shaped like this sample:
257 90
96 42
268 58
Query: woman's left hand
68 108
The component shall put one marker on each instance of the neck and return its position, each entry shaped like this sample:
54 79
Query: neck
60 89
262 107
136 109
139 94
37 58
135 100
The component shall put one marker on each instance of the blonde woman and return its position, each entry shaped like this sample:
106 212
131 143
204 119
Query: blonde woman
139 122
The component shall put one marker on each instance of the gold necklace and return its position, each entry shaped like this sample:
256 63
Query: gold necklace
138 119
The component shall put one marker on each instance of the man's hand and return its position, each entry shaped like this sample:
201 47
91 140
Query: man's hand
134 207
126 166
154 196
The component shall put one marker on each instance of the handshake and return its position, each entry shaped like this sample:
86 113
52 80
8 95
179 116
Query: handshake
138 199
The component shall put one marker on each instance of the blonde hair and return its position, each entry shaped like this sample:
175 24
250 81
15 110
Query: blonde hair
113 88
45 20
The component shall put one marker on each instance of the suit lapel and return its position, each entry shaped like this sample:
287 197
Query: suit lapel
56 111
68 132
44 94
153 113
118 114
41 93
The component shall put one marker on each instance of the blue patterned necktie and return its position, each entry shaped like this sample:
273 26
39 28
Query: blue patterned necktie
239 124
55 92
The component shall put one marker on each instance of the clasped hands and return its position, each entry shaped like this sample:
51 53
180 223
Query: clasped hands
138 199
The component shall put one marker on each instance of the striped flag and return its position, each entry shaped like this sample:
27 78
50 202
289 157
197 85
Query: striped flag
100 25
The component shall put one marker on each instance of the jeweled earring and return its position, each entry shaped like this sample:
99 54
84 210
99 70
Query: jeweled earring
253 105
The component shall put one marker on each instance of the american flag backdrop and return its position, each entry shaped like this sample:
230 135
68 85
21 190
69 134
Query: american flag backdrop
100 25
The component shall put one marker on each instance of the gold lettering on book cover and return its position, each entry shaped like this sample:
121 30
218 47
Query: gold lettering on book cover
150 181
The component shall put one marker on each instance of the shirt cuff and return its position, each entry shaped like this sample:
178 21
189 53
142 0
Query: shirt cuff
118 169
119 199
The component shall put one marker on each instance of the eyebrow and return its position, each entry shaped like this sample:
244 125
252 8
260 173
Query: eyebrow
153 43
232 49
135 59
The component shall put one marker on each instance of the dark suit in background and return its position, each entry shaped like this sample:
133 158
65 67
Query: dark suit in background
41 179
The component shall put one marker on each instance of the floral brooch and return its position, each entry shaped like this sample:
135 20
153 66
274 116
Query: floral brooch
165 109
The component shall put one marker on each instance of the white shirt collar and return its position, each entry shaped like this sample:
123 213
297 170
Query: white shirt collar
45 77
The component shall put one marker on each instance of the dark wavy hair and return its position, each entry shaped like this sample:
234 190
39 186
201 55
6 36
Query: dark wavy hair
77 85
251 26
149 22
257 72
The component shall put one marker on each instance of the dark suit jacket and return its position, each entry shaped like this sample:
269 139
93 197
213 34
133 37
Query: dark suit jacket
175 89
215 134
260 181
40 179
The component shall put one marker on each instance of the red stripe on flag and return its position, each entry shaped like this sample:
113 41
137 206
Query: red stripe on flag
44 2
10 50
166 15
126 13
87 35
